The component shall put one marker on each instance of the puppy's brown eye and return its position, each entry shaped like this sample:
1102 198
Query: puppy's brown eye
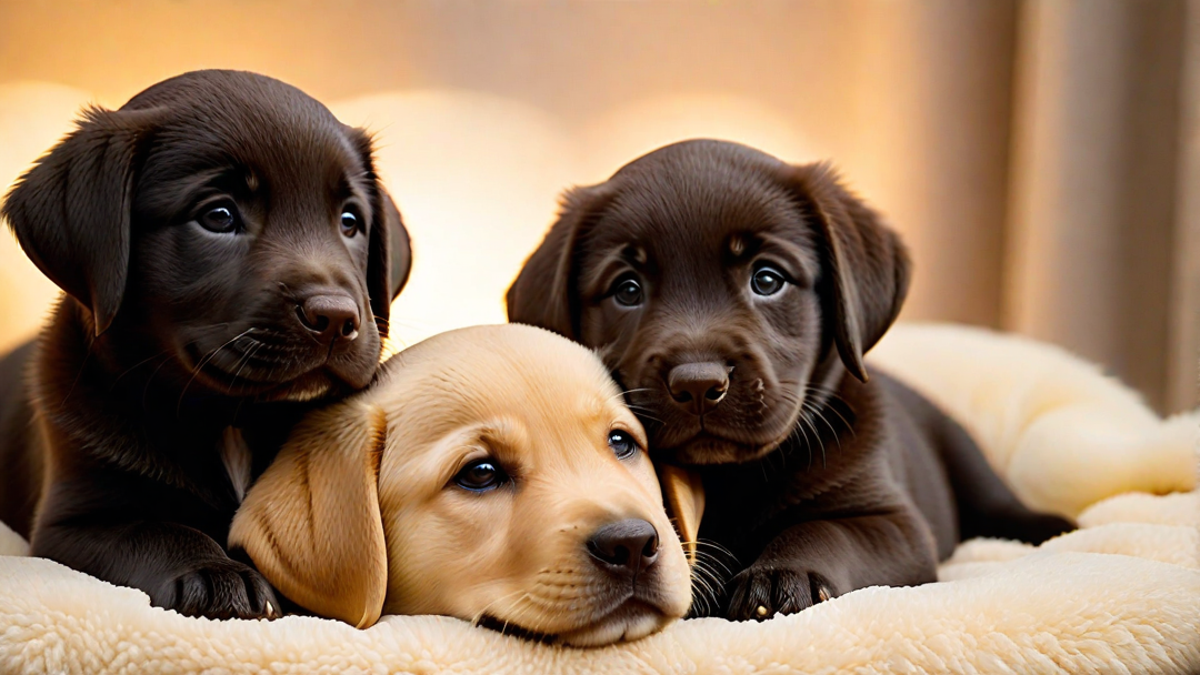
222 218
480 476
767 280
627 292
622 444
349 224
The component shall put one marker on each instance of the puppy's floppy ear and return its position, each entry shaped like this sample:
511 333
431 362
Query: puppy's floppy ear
683 495
311 523
399 247
545 293
71 211
867 264
389 258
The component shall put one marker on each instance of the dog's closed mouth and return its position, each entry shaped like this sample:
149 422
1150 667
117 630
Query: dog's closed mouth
508 628
307 384
687 439
631 619
707 447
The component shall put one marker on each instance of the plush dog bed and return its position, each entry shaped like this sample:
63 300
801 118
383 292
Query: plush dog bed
1122 594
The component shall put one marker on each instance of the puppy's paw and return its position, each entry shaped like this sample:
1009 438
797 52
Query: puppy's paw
1038 527
220 589
761 592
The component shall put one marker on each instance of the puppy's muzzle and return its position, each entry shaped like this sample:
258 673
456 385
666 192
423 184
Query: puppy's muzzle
330 318
624 548
698 387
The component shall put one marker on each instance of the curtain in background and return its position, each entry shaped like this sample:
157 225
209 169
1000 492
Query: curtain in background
1103 252
1042 158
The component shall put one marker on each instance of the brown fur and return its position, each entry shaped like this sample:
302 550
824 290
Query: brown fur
817 481
179 352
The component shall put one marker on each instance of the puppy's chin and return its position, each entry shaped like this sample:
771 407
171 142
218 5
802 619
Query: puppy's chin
727 435
709 448
311 386
301 382
632 621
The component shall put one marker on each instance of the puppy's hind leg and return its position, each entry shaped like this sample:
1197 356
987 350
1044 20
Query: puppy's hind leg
986 506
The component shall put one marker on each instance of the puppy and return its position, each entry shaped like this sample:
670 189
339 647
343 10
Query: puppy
491 473
227 253
733 297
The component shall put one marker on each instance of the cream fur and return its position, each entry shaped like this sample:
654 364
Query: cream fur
355 518
1060 432
1120 595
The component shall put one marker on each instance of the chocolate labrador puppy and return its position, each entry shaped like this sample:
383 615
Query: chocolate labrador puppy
227 254
733 297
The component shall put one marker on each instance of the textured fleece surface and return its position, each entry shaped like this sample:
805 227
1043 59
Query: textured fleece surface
1113 597
1121 595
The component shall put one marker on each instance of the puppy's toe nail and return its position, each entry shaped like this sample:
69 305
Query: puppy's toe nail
270 609
761 611
822 594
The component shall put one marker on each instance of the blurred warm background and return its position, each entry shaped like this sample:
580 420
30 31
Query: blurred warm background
1042 158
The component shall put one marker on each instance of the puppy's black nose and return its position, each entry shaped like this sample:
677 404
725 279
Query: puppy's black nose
624 547
330 317
698 387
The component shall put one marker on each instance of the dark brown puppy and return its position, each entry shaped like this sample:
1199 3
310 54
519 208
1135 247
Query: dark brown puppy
227 254
733 296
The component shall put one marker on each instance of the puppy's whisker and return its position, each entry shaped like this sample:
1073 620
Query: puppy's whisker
203 362
164 352
249 354
702 544
483 612
834 408
806 421
409 323
707 582
800 435
825 394
645 415
517 609
821 416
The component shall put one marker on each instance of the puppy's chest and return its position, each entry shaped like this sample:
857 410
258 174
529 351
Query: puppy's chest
742 500
237 460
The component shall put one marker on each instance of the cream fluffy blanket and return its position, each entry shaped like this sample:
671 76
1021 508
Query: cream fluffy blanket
1120 595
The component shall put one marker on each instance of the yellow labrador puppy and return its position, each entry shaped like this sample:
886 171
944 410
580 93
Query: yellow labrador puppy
491 473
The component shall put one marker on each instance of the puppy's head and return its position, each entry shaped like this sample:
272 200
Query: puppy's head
491 474
227 221
721 286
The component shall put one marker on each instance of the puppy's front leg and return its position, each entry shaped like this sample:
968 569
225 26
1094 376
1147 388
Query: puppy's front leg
816 560
179 567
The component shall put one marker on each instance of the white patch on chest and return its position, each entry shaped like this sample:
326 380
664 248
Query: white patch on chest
235 454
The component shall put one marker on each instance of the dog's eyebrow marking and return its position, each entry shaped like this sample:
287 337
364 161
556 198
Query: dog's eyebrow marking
251 181
353 187
636 253
737 245
609 261
805 265
345 188
592 406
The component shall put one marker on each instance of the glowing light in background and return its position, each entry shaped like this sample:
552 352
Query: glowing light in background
632 130
477 178
33 116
